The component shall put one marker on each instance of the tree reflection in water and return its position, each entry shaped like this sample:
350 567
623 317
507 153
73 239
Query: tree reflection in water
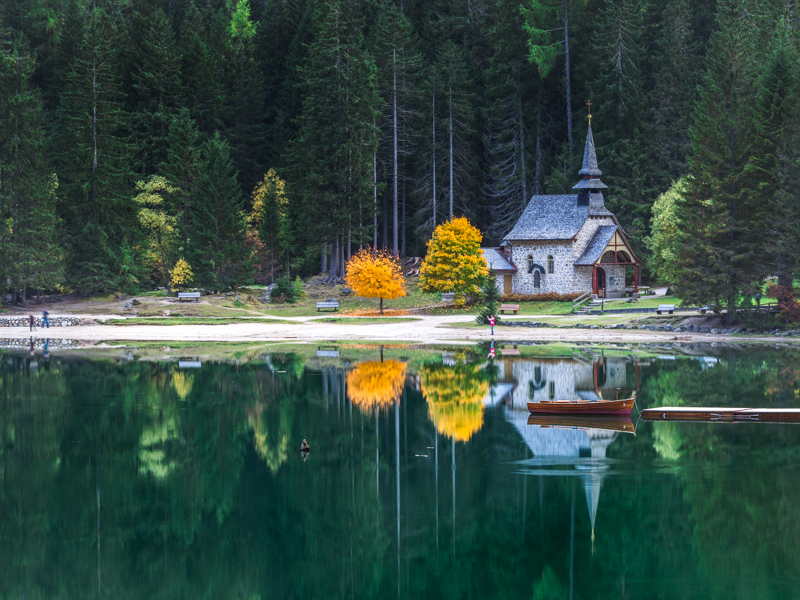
136 479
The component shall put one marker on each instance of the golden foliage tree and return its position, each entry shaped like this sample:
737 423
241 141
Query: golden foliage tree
160 226
181 275
454 262
372 383
375 275
455 398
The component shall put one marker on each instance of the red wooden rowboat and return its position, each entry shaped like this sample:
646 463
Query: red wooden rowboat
583 407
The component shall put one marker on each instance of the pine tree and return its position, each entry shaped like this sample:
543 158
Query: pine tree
776 159
218 229
617 97
245 129
30 252
333 153
719 238
398 63
93 158
157 81
182 169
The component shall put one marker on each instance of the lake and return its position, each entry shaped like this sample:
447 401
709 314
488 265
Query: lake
125 474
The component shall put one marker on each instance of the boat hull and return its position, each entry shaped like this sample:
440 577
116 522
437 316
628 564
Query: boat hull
583 407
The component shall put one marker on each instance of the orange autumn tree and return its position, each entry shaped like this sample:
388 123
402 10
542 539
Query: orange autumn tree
372 383
455 397
454 262
375 275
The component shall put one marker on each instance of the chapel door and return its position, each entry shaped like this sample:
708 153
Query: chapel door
601 283
507 284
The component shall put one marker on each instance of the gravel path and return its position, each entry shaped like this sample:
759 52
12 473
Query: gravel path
428 329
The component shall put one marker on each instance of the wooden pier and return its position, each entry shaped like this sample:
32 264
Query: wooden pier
716 414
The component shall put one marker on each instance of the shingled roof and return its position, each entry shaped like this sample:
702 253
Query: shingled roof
596 246
497 261
550 218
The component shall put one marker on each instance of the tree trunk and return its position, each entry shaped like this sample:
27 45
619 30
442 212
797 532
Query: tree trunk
451 153
375 202
395 245
569 83
403 222
537 175
433 161
381 305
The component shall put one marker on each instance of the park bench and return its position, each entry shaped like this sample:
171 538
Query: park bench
327 352
448 296
334 304
512 308
513 351
667 308
189 296
704 309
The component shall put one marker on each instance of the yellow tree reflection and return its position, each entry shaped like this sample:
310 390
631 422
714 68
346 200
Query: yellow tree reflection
373 383
455 398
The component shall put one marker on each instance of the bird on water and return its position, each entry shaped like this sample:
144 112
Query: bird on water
304 447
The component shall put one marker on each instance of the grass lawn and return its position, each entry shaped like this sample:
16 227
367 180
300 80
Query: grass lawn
364 320
644 302
192 321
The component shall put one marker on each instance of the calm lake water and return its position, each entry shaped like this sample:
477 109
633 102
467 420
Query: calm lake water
122 477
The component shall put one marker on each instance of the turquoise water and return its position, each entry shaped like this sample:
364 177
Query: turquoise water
129 478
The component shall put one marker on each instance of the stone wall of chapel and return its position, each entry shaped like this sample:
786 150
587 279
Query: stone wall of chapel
567 377
561 280
587 231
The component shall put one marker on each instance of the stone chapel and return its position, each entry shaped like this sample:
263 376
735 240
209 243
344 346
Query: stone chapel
566 243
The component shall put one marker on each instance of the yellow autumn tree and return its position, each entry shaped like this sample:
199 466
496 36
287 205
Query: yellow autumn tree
373 274
161 227
181 275
372 383
454 262
455 398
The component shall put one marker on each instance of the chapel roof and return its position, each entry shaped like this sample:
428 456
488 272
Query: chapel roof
557 217
497 261
598 243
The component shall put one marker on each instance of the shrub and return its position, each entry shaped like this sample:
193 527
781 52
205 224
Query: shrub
491 300
283 291
546 297
299 289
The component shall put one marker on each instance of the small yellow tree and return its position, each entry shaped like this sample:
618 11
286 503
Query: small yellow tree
375 275
372 383
181 275
454 262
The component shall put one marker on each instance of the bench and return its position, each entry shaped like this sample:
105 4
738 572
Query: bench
189 296
327 352
334 305
667 308
513 351
448 296
512 308
704 309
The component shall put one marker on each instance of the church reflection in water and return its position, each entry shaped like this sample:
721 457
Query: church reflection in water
565 446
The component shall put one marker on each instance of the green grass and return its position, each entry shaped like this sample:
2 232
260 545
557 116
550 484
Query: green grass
193 321
644 302
364 320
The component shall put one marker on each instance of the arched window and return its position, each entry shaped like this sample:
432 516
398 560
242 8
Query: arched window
530 264
608 257
537 279
551 264
531 390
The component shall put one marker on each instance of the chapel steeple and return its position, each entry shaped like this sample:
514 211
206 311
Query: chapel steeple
590 187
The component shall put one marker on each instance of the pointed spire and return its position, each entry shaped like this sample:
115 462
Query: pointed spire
590 173
590 168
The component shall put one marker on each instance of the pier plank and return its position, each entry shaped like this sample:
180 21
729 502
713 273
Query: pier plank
714 414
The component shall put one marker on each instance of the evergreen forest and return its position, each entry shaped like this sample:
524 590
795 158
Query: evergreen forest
240 139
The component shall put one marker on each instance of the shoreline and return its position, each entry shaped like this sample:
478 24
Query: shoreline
428 329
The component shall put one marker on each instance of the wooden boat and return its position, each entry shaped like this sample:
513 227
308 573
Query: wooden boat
621 423
583 407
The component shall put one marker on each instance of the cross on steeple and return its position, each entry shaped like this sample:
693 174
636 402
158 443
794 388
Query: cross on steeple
589 104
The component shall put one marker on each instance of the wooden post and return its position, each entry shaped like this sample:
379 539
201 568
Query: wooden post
636 278
594 279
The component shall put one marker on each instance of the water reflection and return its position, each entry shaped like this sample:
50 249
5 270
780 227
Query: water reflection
138 479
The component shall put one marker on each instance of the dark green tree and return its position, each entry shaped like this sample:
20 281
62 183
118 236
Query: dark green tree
720 238
93 160
30 250
332 157
218 227
182 168
157 82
